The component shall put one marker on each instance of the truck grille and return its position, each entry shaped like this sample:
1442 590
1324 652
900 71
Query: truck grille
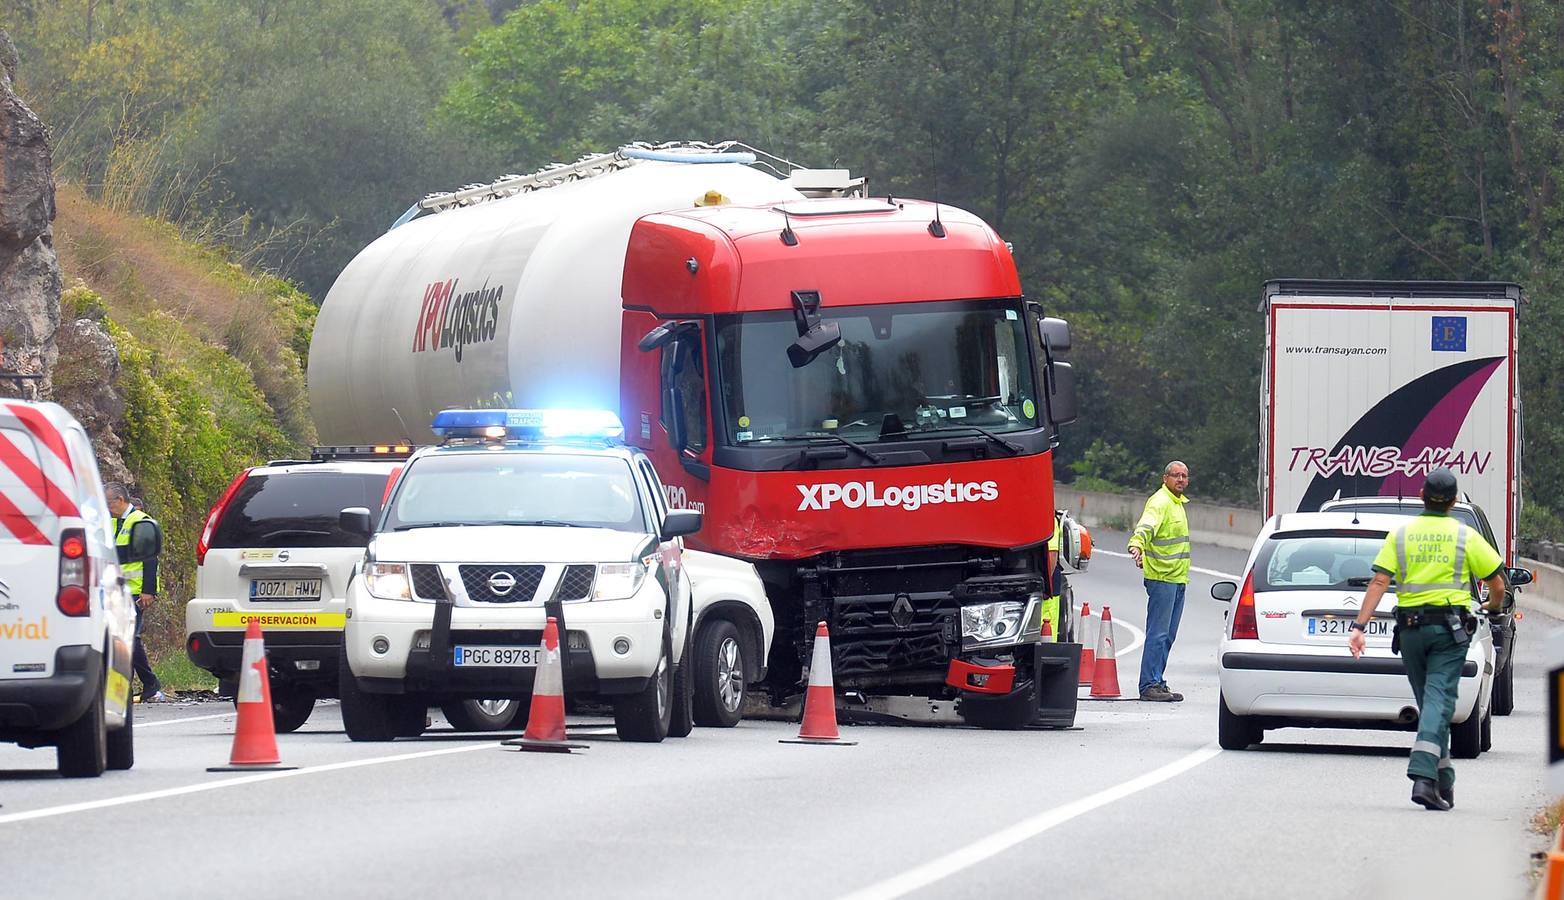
868 637
481 583
427 582
576 583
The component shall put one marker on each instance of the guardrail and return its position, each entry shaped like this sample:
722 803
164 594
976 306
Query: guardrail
1236 526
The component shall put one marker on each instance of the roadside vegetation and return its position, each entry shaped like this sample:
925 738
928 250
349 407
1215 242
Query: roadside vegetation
1151 161
210 371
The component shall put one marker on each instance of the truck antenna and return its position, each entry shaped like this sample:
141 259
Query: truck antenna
936 227
789 237
407 436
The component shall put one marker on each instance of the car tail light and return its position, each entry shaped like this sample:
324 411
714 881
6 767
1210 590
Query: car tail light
1244 625
75 573
215 514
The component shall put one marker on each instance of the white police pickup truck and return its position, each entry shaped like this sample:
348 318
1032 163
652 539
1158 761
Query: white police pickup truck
517 516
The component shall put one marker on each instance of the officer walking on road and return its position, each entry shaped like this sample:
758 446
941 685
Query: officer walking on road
1433 559
1160 547
138 563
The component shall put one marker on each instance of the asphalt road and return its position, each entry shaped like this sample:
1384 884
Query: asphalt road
1137 802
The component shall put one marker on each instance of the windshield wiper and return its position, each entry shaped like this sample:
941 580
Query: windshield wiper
547 523
1012 446
437 525
1359 581
868 454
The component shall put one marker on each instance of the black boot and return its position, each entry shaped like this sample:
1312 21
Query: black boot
1426 794
1447 794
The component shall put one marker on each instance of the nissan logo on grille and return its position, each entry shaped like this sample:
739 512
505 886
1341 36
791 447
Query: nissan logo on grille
502 583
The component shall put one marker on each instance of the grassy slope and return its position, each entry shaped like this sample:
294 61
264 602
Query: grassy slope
211 367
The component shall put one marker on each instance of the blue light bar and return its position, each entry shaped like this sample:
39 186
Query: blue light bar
552 424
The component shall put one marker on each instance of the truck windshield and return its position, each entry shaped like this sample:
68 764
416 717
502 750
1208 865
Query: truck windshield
499 488
899 369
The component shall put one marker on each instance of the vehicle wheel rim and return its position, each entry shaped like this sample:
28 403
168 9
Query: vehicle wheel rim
730 675
493 708
662 688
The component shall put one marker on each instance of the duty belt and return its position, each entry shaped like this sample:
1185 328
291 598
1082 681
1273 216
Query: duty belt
1429 614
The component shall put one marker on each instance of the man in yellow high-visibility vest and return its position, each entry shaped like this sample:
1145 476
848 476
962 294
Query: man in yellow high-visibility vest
1433 559
1160 546
140 577
1050 612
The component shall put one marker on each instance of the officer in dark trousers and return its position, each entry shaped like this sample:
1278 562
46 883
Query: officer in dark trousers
1433 559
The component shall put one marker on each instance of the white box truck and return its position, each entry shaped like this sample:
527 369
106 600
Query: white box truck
1367 385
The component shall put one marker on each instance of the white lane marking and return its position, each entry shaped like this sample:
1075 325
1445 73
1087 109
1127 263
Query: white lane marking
258 777
1212 572
1139 637
988 847
140 724
227 715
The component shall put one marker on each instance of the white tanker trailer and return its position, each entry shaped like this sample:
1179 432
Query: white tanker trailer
509 302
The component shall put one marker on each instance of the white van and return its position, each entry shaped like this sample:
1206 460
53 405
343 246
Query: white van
67 624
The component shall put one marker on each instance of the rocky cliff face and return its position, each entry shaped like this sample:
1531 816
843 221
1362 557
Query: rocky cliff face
29 271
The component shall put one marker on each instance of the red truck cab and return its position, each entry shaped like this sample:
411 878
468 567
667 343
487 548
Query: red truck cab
859 398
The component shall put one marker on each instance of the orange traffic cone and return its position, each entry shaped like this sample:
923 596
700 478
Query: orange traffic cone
1105 668
819 725
1088 641
546 719
255 736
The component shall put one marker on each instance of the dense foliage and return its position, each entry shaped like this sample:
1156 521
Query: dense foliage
1152 161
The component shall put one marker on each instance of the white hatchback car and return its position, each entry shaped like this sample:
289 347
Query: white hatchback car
67 625
1283 660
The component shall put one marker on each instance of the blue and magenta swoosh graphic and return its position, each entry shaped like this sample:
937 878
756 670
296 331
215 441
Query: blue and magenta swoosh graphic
1425 413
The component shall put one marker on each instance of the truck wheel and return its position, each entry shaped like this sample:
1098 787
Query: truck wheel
719 675
481 715
1487 729
1235 732
1504 686
365 717
122 743
291 706
82 747
681 718
1466 739
645 717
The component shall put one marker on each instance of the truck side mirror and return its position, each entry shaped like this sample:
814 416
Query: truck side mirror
820 337
355 520
1054 335
1520 576
1224 591
1059 386
678 523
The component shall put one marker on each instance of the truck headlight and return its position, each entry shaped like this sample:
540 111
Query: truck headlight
992 623
388 581
619 581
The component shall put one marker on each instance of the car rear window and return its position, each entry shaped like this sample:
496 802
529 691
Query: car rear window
1461 514
1317 560
298 509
